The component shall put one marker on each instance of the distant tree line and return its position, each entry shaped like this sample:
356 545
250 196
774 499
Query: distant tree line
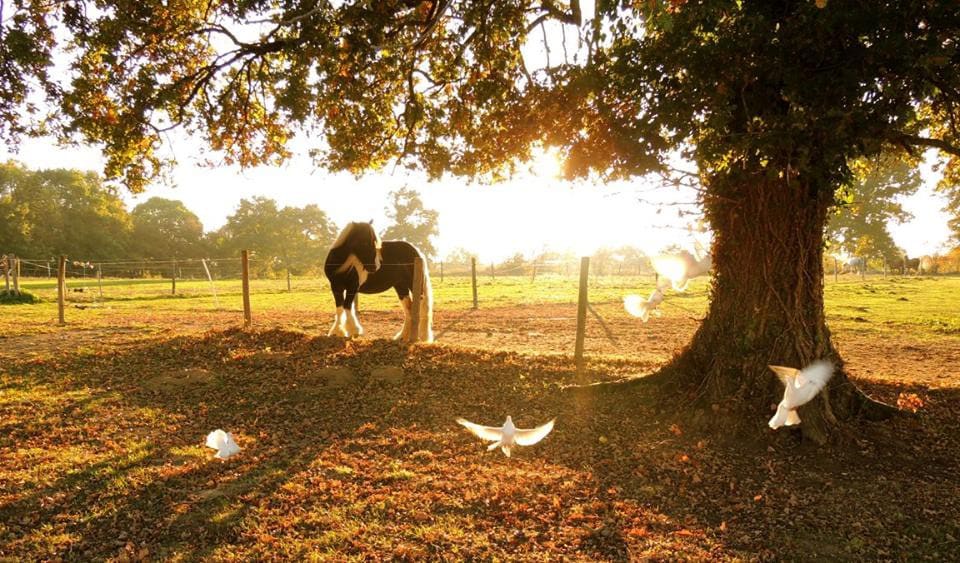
867 205
45 213
623 260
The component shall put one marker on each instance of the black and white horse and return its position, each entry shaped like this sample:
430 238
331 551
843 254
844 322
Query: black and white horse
360 262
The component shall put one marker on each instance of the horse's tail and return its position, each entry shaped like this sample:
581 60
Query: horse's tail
425 330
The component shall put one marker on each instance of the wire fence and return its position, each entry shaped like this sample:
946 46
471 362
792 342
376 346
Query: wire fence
536 299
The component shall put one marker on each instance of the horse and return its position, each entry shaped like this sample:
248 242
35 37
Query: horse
360 262
856 265
904 264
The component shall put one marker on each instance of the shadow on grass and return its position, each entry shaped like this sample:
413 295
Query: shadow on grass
371 468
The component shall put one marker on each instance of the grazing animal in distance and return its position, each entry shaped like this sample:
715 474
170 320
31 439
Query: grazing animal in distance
855 265
359 262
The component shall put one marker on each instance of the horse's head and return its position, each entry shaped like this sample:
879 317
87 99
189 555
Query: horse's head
360 240
366 246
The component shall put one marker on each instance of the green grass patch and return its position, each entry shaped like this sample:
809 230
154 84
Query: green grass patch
10 297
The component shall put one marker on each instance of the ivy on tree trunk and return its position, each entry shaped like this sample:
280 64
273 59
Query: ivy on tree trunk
766 300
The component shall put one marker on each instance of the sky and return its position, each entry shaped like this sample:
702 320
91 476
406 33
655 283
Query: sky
530 213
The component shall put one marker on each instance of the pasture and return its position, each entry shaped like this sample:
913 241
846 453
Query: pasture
103 424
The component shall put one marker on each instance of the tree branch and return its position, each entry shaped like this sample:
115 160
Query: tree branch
432 25
290 21
575 17
915 140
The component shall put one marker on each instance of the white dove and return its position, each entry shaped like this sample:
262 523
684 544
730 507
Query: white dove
640 307
680 268
223 442
508 435
800 386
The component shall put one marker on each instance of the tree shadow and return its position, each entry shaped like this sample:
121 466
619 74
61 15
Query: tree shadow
619 478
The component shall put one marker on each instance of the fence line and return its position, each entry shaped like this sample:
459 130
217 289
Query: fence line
217 269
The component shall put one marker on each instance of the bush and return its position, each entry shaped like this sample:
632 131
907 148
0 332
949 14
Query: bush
12 298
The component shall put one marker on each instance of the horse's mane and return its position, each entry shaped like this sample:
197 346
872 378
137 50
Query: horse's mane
344 235
350 230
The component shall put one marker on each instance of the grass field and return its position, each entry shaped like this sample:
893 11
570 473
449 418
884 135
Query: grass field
102 425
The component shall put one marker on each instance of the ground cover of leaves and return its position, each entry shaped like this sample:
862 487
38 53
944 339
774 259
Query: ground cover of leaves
102 458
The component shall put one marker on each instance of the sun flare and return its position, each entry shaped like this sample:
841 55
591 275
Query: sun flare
545 163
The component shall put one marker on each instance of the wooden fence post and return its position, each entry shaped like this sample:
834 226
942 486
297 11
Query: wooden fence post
493 274
533 275
61 287
16 275
288 278
49 275
6 271
173 279
245 263
100 279
582 312
417 297
863 268
473 277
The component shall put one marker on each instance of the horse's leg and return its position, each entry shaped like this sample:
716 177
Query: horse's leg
338 321
350 312
425 317
407 304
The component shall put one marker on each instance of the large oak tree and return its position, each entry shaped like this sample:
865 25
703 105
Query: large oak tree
772 99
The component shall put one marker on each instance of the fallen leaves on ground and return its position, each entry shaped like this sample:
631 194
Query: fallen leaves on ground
102 457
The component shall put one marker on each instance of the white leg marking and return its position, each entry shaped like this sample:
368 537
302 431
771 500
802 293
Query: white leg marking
404 334
352 322
338 322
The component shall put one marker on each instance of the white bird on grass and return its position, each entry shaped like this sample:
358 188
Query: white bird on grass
640 307
223 442
508 435
800 386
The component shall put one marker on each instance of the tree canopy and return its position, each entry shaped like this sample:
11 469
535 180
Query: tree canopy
868 203
411 221
445 84
50 212
950 187
165 228
290 238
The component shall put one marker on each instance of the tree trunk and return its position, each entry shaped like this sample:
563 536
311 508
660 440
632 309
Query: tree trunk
766 303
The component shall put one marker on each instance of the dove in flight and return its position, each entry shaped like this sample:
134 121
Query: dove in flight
640 307
223 442
507 436
678 269
800 386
